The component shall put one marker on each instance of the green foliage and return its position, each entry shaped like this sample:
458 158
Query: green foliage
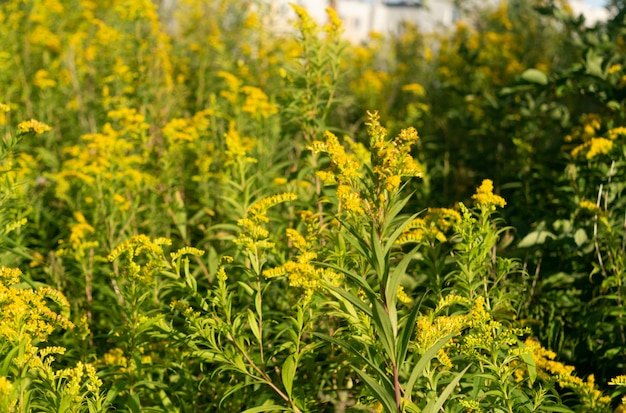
216 218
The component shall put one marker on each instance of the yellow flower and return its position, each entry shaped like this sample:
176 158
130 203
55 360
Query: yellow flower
485 197
618 381
257 103
414 88
32 126
42 80
403 297
614 69
186 251
589 206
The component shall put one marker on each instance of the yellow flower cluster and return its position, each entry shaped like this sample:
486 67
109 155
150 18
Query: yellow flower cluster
480 331
187 130
593 147
254 236
432 227
79 233
113 158
391 160
497 52
257 103
433 327
403 297
7 399
344 167
593 144
32 126
485 198
186 251
303 274
25 313
470 405
546 367
299 270
140 246
414 88
618 381
237 147
589 206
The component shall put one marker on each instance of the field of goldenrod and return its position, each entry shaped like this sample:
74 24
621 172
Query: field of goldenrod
201 213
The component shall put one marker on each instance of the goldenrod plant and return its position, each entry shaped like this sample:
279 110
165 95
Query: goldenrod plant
211 206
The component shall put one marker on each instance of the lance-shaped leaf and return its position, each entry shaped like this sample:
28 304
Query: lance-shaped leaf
434 405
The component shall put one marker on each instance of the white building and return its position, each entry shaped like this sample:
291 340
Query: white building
360 17
592 14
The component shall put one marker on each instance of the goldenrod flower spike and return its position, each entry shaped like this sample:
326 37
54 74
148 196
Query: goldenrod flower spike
485 197
32 126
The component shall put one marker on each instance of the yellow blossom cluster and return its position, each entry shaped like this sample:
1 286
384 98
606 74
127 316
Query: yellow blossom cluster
391 159
187 130
78 241
593 143
302 274
7 399
254 236
485 198
237 147
589 394
257 103
433 226
25 312
299 270
344 167
403 297
4 109
32 126
475 330
149 253
114 157
470 405
589 206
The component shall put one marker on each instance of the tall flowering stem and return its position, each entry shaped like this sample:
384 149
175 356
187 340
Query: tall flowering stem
368 187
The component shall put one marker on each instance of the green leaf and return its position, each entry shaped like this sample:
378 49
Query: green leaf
384 397
530 363
358 354
593 64
380 262
133 403
393 281
246 288
190 280
425 359
411 407
268 408
434 406
6 363
535 238
234 388
406 333
580 237
288 372
385 329
560 409
535 76
353 299
394 236
254 325
615 106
